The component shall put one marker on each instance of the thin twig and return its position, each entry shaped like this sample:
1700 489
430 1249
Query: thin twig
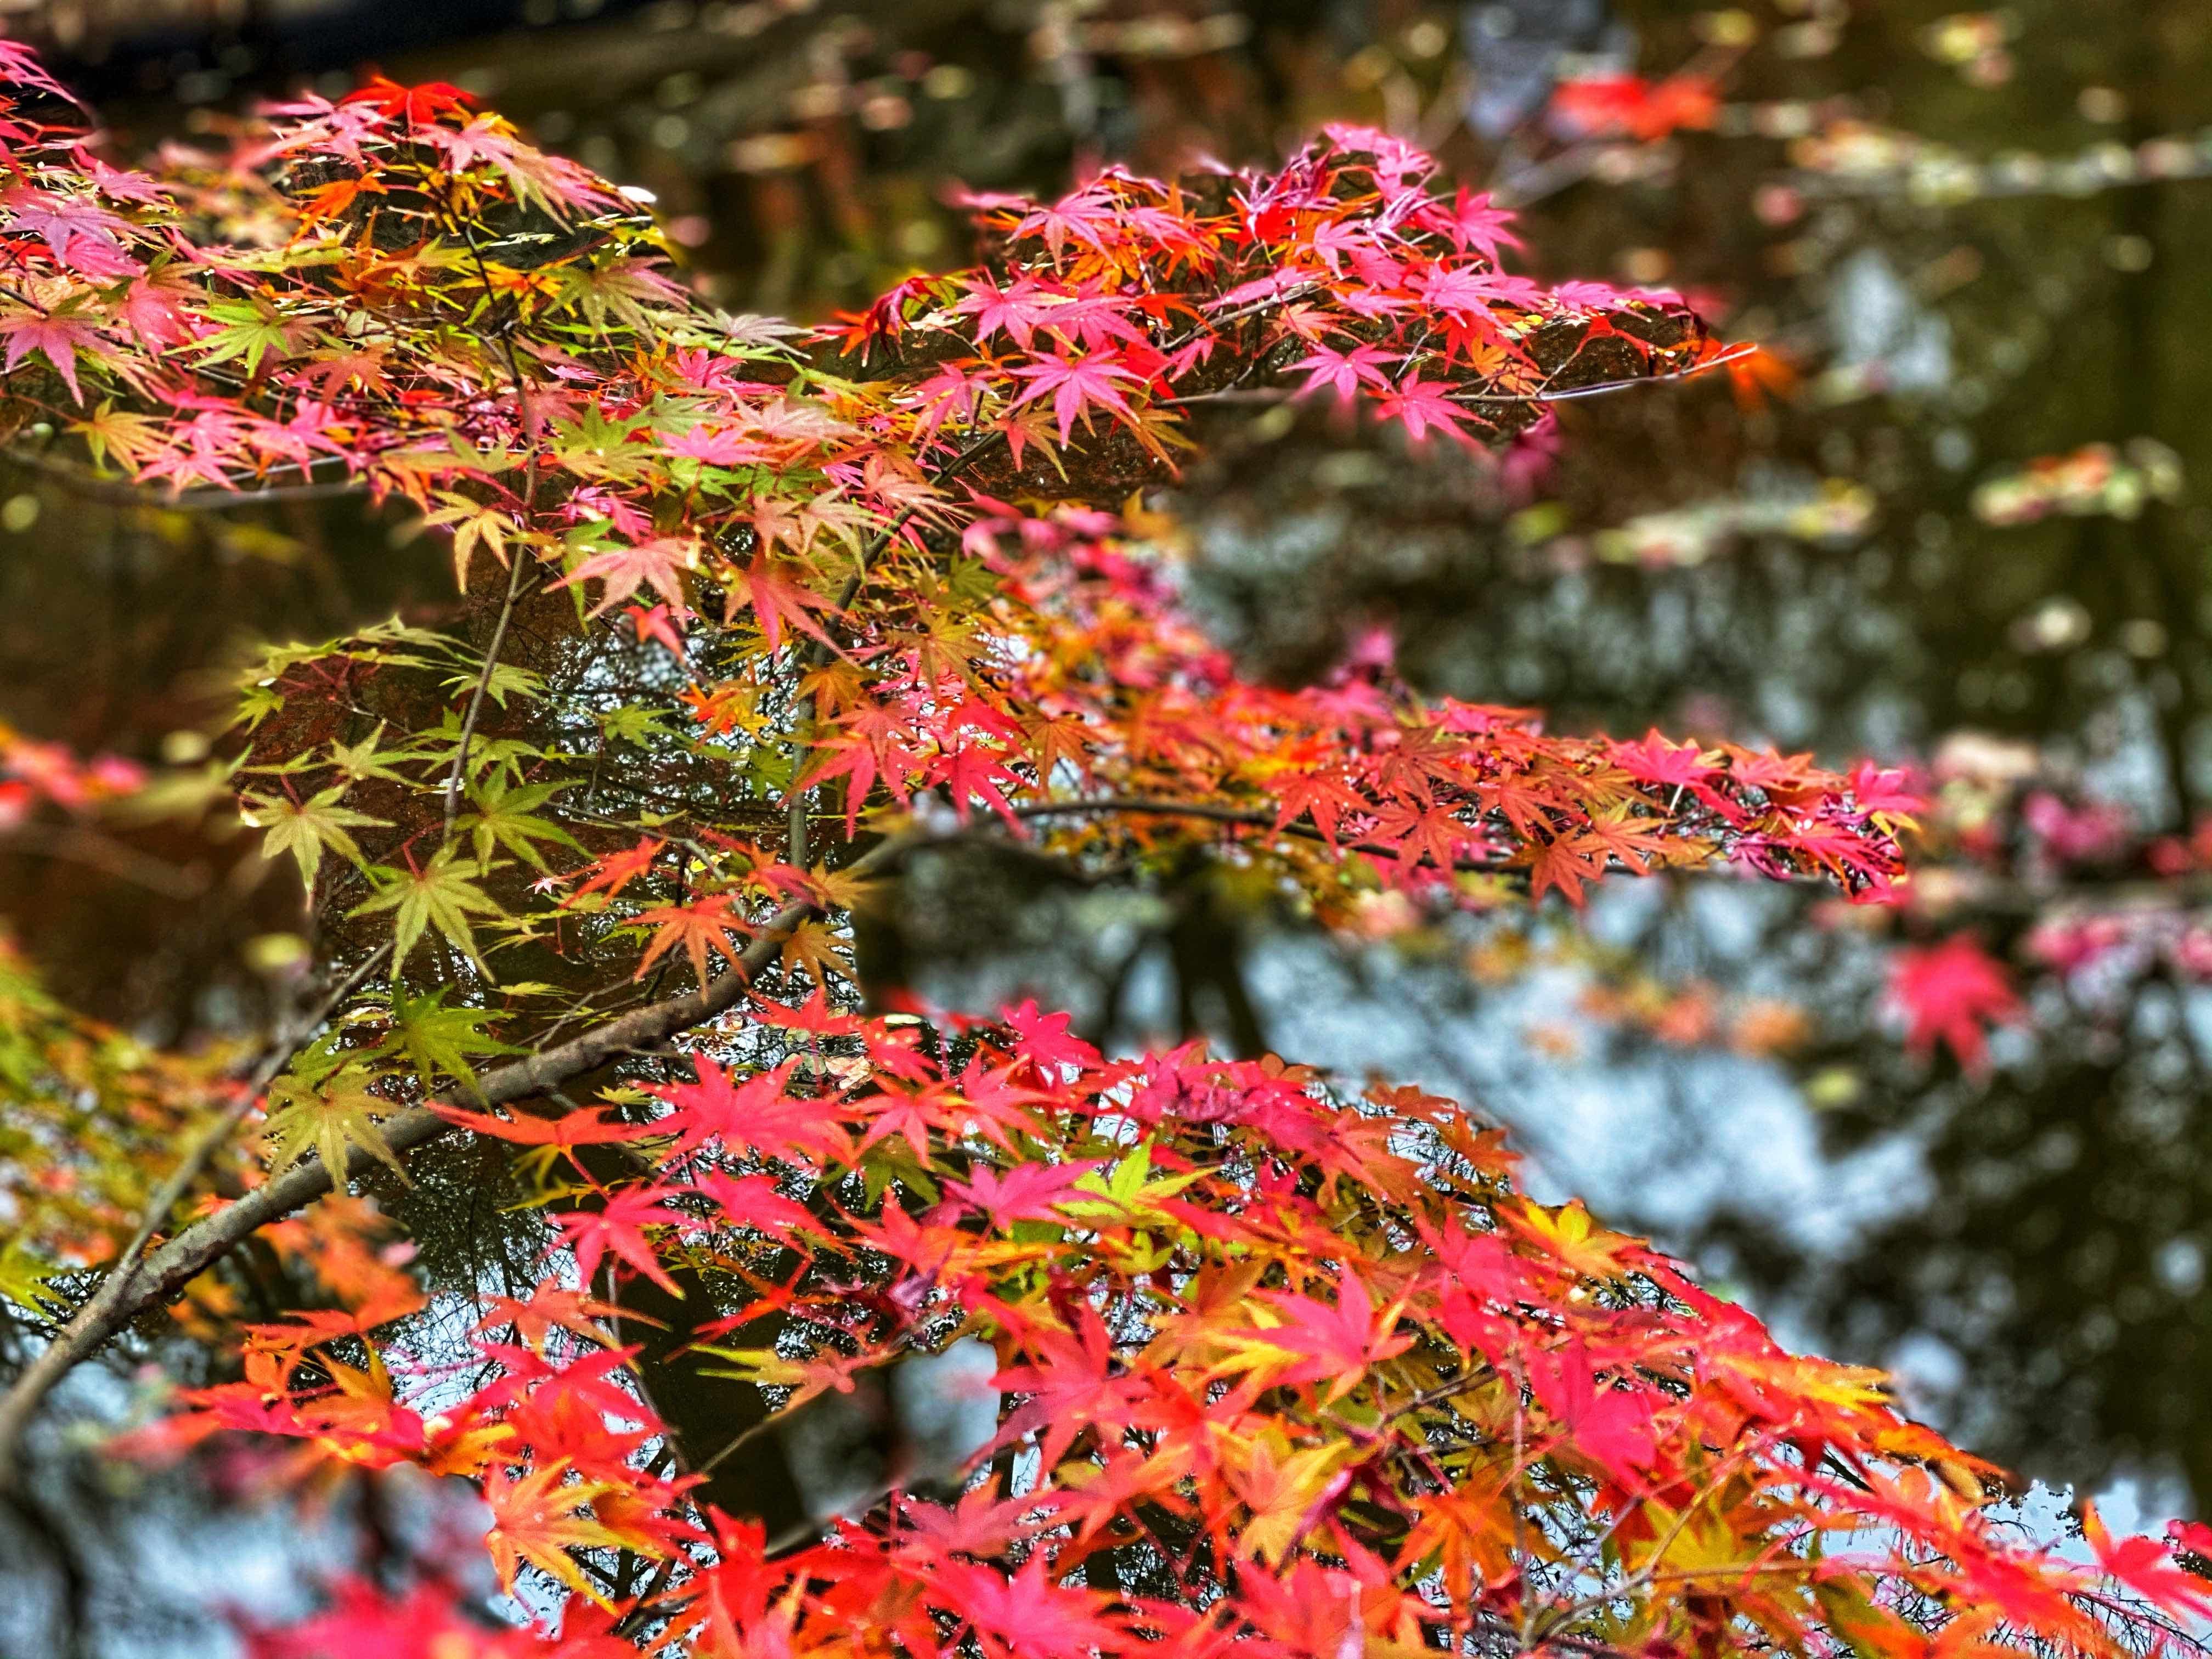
454 779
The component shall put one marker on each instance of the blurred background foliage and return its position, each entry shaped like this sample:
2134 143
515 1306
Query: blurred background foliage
1955 515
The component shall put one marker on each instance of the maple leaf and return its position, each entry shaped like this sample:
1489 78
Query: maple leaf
659 563
1048 1039
1566 862
1425 406
416 105
1028 1192
618 1225
1888 795
814 947
1344 373
974 772
1570 1238
1325 795
1027 1614
777 602
548 1138
443 893
710 921
1076 388
1950 993
1610 1425
134 439
1312 1340
306 830
753 1202
1018 309
472 522
1285 1491
1684 768
251 329
505 817
539 1517
329 1118
658 624
551 1307
610 874
753 1114
437 1038
82 236
1476 225
57 336
2144 1566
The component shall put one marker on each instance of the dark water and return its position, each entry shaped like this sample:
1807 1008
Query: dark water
2030 1245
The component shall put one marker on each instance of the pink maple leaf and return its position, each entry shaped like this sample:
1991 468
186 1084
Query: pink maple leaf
58 336
1343 372
658 564
1949 992
1075 386
1046 1038
1026 1192
82 236
1425 406
1475 226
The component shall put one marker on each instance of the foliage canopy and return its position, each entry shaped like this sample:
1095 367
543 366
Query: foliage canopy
757 614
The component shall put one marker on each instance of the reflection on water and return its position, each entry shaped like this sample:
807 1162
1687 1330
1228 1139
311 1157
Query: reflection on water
2030 1245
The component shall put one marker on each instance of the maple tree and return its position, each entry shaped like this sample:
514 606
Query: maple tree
762 612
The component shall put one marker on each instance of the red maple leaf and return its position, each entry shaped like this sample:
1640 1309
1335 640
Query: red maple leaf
1323 794
2145 1566
617 870
416 105
618 1226
1950 993
1339 1340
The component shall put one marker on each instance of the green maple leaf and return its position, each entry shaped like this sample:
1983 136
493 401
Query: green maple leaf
252 330
505 681
305 829
1127 1193
436 1038
27 1280
359 761
473 523
504 817
330 1120
442 894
